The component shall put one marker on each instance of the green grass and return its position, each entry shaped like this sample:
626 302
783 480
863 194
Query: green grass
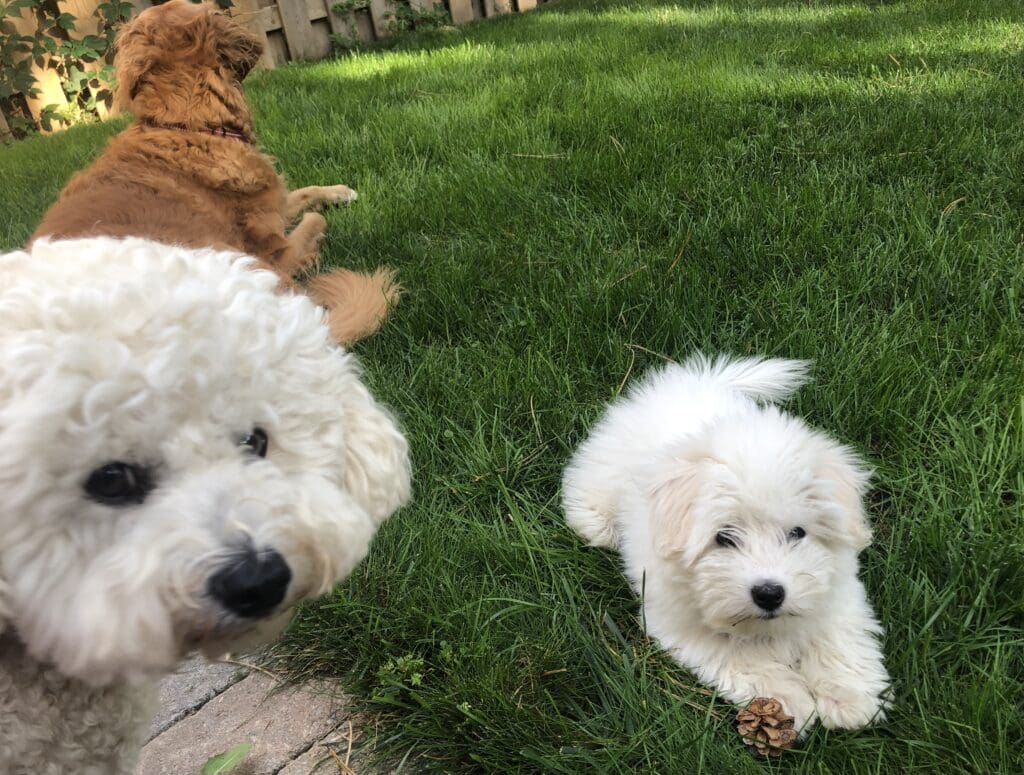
572 195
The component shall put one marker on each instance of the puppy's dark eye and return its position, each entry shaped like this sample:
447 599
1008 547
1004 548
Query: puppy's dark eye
255 441
119 484
724 538
797 533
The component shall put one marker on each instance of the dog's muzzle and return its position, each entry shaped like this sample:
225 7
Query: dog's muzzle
251 584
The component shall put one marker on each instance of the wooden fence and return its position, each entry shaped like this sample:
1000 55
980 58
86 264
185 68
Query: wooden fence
302 29
291 29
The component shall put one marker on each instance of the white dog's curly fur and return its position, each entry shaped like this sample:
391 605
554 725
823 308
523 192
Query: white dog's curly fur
185 454
740 526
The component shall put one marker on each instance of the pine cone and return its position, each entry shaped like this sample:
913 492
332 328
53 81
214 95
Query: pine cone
765 728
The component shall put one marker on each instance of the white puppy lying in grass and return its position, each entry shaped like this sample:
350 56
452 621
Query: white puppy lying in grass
741 526
185 455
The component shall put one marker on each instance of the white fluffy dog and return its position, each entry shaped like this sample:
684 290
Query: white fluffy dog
185 454
740 526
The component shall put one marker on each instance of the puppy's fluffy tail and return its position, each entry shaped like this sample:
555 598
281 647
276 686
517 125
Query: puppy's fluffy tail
357 303
764 379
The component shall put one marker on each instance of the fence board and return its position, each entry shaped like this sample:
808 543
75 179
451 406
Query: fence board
249 13
317 9
381 14
461 11
278 47
364 26
497 7
340 23
298 30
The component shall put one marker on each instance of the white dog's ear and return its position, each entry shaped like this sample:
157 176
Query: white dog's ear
843 480
377 468
673 491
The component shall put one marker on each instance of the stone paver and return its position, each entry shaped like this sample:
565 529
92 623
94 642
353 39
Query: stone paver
190 687
281 724
318 760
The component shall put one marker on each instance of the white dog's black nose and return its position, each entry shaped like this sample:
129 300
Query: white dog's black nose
251 584
768 596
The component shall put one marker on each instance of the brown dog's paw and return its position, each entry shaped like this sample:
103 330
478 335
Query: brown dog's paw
339 195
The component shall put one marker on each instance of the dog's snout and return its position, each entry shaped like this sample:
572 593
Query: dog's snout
251 584
768 596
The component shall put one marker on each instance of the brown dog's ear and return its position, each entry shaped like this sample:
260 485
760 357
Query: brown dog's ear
134 56
239 50
169 32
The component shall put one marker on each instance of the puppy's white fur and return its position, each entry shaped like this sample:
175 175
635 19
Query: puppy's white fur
129 350
699 449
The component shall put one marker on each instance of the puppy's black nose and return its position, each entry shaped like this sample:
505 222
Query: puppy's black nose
251 584
768 596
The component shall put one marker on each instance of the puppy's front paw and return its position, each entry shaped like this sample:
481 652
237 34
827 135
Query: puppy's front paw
843 707
800 705
339 195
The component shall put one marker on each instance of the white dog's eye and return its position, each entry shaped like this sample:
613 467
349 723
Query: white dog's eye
119 484
256 441
797 533
725 538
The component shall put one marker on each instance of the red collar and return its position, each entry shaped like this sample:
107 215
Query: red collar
217 131
223 131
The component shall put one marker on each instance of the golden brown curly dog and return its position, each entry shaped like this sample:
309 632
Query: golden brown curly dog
187 171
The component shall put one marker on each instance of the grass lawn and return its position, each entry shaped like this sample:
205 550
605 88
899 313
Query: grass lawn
571 196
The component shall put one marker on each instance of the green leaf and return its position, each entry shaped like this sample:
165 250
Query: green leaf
223 763
96 43
66 21
23 81
113 12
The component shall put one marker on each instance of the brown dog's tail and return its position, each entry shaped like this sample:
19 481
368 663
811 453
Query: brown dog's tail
356 303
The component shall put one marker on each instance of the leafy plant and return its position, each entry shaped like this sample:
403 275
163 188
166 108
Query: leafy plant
404 17
347 41
83 65
16 77
400 17
226 762
398 678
